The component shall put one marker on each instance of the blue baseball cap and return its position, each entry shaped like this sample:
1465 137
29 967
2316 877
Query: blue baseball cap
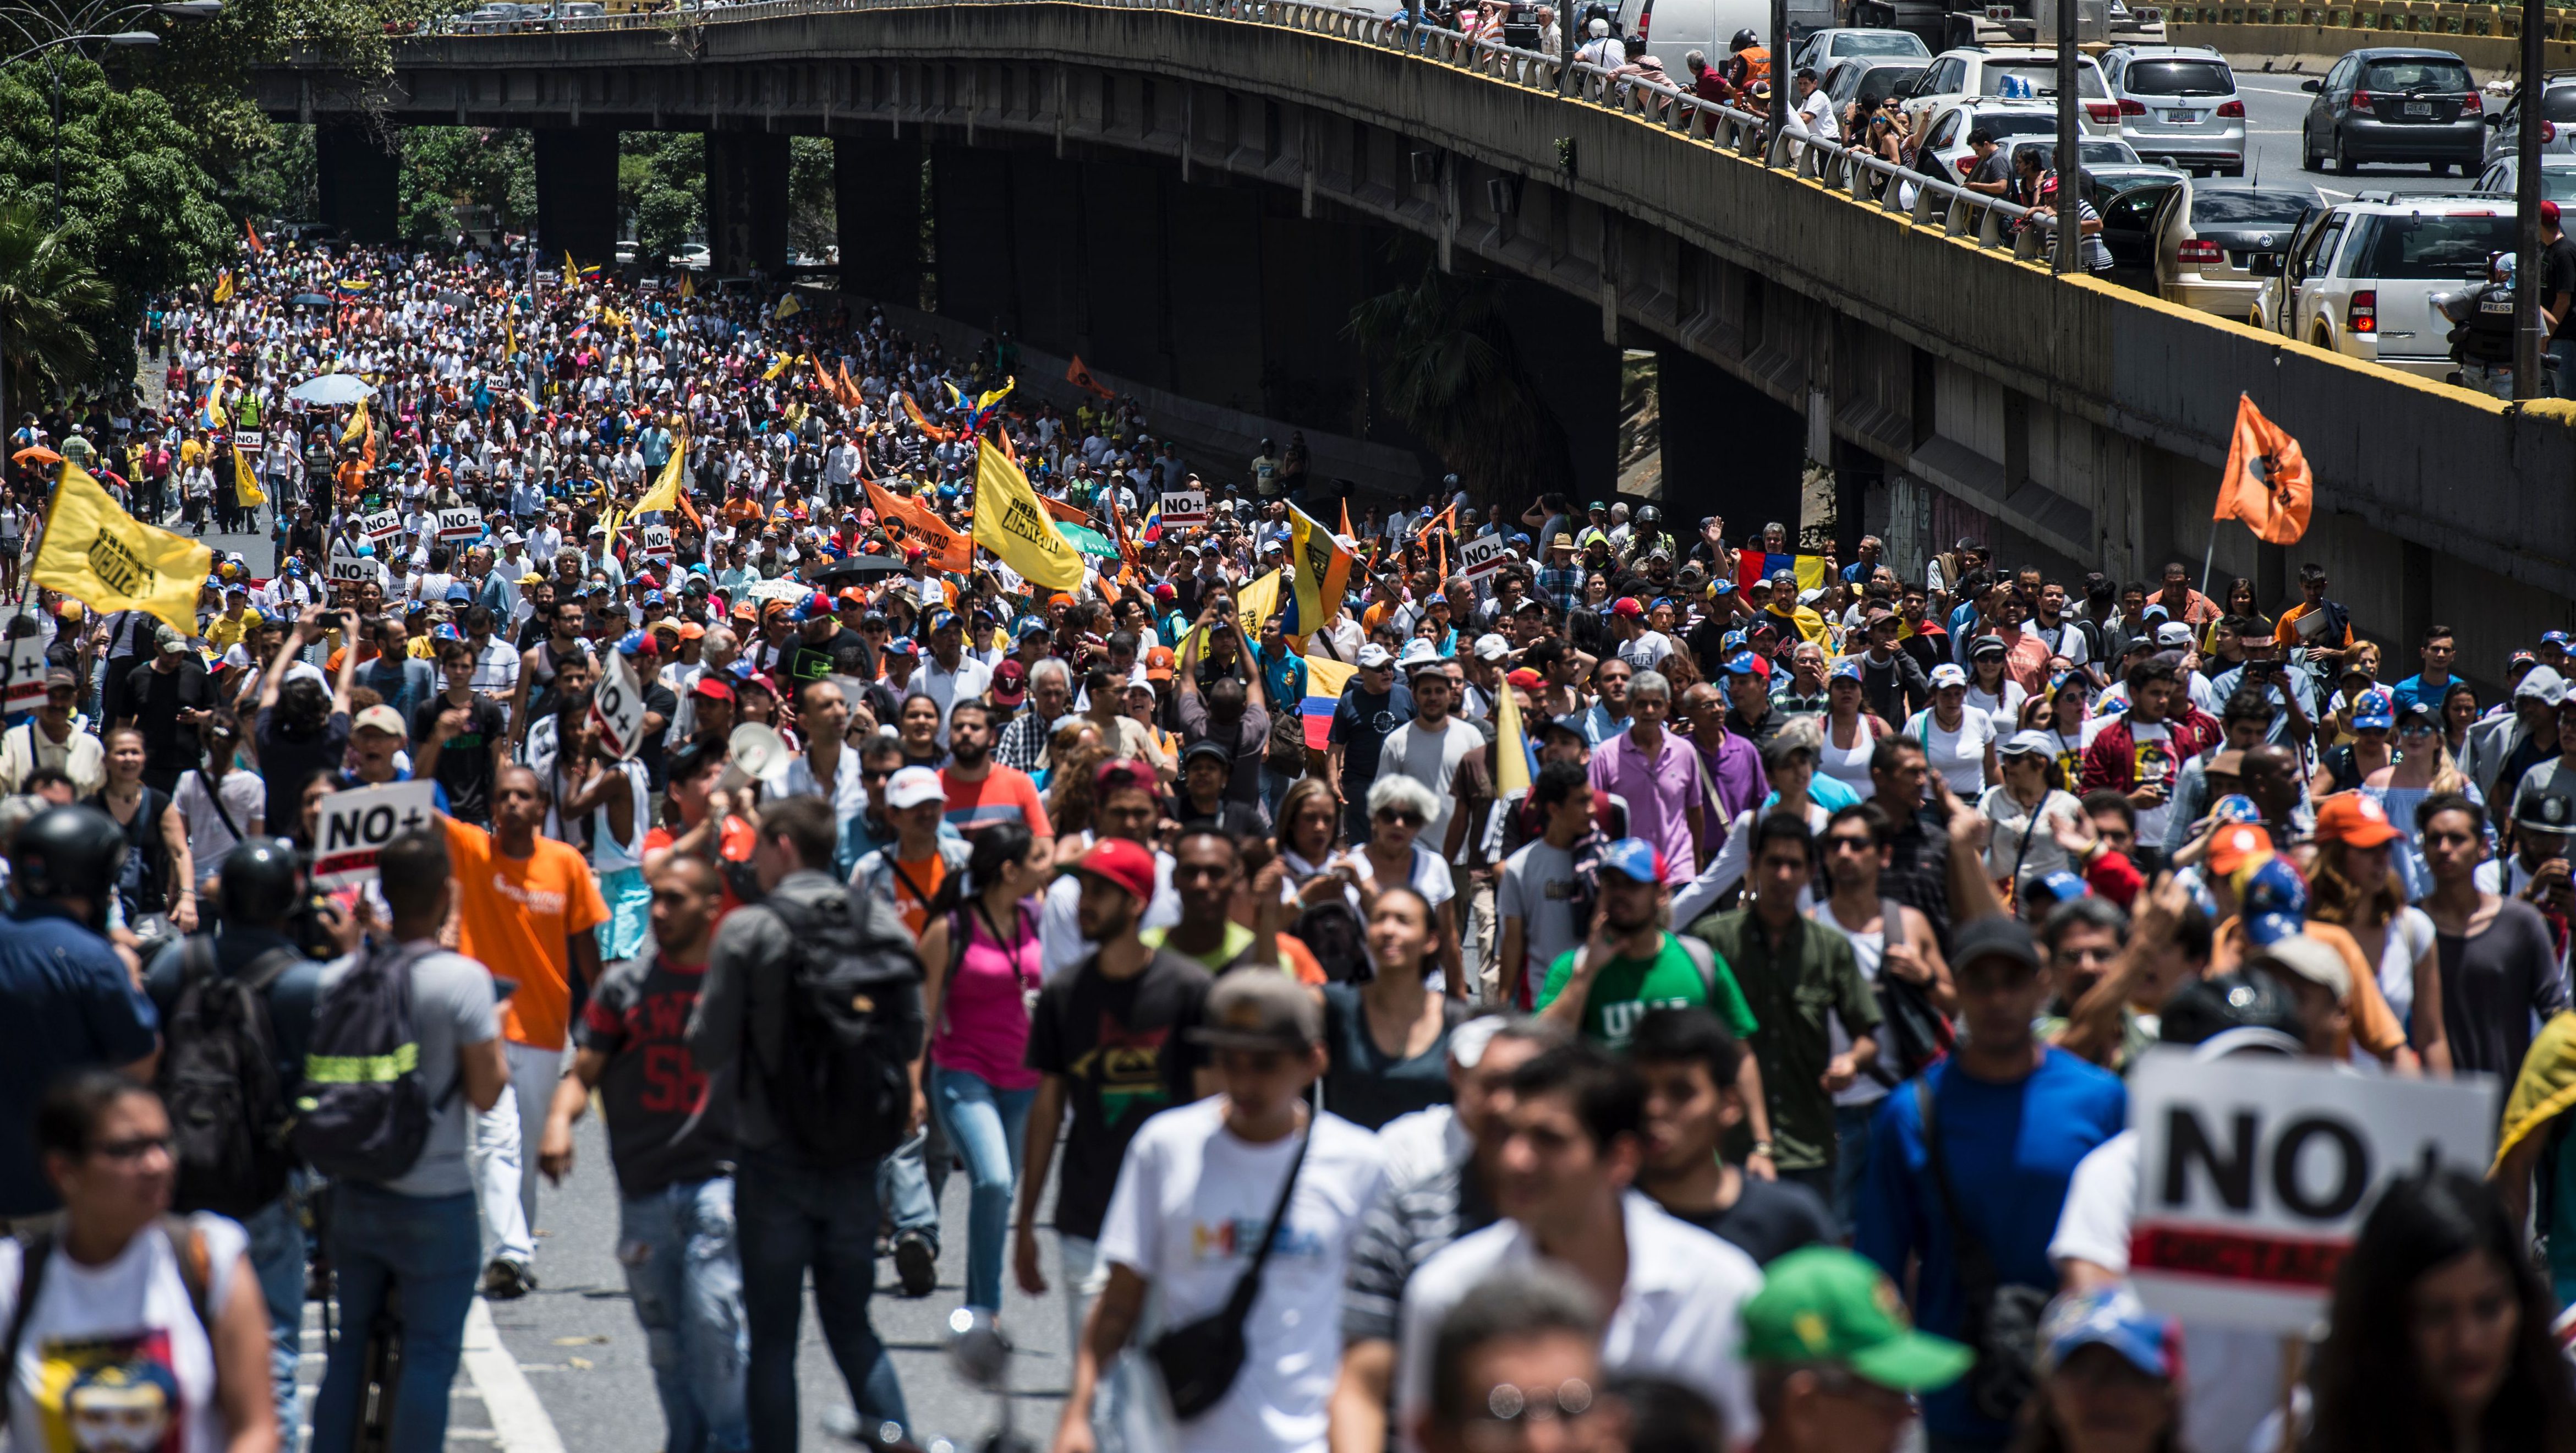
456 590
1846 669
2273 901
2375 710
812 608
2553 638
1028 626
637 643
2112 1317
2236 808
941 620
1741 664
1721 586
903 646
653 597
1634 858
2062 885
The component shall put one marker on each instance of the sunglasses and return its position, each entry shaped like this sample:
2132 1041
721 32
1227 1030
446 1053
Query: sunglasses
1409 819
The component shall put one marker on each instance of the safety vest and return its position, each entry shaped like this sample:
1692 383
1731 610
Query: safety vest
1756 61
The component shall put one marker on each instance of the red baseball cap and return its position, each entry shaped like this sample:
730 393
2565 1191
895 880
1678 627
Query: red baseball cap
713 688
1121 864
1627 606
2549 212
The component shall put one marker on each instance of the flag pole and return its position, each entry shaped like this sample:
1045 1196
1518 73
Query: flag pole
2209 557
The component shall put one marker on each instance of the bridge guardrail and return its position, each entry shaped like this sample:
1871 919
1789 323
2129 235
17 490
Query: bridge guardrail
1921 200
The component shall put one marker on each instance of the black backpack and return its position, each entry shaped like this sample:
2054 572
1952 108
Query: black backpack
842 1087
218 1076
363 1113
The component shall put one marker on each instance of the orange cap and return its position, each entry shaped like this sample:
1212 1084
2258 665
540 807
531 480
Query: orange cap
2349 817
1158 664
2236 845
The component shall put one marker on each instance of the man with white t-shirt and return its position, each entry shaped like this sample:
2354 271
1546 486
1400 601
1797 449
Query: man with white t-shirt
1569 1148
950 675
1204 1184
1429 748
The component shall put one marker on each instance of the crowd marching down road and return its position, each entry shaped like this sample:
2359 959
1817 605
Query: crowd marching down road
566 835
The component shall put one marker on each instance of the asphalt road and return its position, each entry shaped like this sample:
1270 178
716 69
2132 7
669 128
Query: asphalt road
2274 107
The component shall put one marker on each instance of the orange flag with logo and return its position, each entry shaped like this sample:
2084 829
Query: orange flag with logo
1080 377
911 521
2267 484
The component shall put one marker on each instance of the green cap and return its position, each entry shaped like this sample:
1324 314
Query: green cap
1825 1304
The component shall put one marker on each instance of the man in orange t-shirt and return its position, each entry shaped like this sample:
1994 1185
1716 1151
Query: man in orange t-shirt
527 908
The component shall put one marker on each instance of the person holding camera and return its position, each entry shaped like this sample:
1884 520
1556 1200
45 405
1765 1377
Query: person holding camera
300 725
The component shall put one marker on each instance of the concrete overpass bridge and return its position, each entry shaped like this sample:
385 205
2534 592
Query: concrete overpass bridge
1190 194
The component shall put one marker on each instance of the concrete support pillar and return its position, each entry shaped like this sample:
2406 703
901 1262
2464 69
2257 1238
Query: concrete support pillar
747 202
576 193
876 200
358 177
1729 449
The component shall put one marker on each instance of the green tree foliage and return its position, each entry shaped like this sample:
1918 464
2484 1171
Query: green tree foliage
1447 367
446 167
811 219
48 297
662 188
138 206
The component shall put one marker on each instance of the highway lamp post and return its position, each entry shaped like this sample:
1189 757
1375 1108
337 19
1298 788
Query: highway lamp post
2068 254
47 29
2529 287
1781 80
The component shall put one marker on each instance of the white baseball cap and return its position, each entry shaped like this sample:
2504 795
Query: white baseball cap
1374 657
1948 674
914 786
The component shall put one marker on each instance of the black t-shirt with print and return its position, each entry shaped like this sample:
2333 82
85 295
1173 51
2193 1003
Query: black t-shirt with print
1769 1220
663 1125
465 759
1122 1046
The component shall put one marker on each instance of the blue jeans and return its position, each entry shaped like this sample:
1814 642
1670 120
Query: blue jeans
1851 1158
429 1248
909 1181
277 1257
788 1217
2563 350
677 1245
983 1126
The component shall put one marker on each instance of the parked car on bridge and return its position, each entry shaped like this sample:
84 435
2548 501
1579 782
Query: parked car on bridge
1825 47
2557 177
2013 125
2360 276
1856 76
2557 120
2207 238
692 255
2394 104
2178 105
2010 73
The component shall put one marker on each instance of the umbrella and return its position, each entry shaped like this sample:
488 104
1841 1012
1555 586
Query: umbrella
857 567
37 453
455 299
310 300
331 390
1088 541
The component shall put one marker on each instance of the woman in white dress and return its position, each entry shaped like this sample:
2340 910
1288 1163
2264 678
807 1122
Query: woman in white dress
1958 740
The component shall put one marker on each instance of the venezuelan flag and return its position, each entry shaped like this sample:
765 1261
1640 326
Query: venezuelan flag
1325 679
1152 533
590 273
1753 565
354 285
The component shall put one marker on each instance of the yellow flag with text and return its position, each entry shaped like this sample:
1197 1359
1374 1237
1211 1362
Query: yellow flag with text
246 490
108 560
665 493
1323 570
1011 523
1256 603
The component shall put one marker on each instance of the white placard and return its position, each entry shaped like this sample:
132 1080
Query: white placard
2254 1175
357 824
618 707
381 526
26 673
1185 507
464 523
346 564
654 541
1482 556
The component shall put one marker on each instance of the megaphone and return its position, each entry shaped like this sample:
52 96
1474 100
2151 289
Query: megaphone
752 753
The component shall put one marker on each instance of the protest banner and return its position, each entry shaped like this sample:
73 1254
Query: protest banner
356 825
2254 1175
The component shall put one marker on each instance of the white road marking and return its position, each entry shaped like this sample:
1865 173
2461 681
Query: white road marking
519 1421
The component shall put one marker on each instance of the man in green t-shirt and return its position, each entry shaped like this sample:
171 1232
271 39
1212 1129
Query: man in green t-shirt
1629 965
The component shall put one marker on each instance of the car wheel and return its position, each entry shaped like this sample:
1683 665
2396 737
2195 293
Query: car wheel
2340 163
2309 161
2231 171
2322 338
2441 169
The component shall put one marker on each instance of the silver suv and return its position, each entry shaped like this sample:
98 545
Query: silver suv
2178 105
2359 277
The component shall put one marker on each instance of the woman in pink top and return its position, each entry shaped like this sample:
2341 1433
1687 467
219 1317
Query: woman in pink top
979 951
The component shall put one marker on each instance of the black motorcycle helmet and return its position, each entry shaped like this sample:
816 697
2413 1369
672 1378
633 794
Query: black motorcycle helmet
1743 38
1650 519
262 884
66 851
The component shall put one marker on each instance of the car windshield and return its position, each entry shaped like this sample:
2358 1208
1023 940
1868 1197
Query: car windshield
2041 75
2418 246
1888 80
2558 103
2249 209
2109 153
1879 43
2000 124
2416 75
2178 78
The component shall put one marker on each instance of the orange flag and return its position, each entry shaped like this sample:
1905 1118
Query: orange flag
2267 484
1080 377
912 521
256 246
1070 514
928 429
846 391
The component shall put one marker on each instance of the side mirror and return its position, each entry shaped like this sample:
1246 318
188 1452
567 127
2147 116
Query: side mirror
2312 87
2496 119
2264 264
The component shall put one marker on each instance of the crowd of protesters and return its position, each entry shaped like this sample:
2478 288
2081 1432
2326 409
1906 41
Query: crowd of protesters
1652 991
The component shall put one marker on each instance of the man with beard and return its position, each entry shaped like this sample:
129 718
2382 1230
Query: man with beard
1111 1039
980 790
540 663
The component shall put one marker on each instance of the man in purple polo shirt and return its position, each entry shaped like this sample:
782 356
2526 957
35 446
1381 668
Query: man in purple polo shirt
1734 762
1657 773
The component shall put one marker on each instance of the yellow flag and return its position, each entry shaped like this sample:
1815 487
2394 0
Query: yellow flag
572 274
224 286
106 559
1011 523
788 307
1323 570
1256 603
777 368
357 424
665 493
1511 744
688 285
246 490
510 331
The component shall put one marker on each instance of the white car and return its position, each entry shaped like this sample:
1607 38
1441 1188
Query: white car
2359 277
2557 121
2016 72
2179 104
2557 177
1825 47
2011 123
691 255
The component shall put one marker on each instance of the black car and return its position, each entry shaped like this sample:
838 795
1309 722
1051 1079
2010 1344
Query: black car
2394 104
